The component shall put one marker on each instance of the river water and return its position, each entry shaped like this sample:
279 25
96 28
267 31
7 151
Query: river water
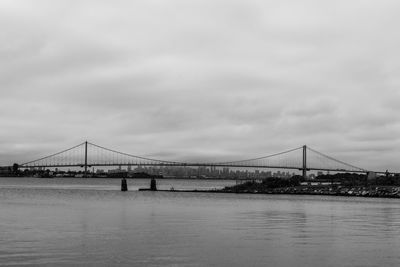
89 222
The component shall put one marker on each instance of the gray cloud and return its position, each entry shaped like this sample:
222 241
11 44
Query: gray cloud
202 79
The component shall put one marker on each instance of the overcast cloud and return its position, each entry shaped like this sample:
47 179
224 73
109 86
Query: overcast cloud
201 79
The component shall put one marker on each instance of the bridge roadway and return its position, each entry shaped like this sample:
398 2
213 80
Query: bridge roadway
200 165
109 157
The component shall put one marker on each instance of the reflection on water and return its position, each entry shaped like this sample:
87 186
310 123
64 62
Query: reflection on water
75 222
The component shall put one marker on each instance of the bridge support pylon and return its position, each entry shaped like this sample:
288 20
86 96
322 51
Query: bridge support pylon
304 162
153 185
124 185
86 158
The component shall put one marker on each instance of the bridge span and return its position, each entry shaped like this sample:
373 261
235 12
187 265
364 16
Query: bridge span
88 155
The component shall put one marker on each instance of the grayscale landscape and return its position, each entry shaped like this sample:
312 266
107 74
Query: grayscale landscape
199 133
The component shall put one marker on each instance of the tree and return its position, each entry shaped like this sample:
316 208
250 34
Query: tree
15 168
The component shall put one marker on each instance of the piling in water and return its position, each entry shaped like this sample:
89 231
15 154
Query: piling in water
153 184
124 185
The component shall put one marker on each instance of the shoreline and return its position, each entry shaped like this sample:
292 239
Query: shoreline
383 192
131 178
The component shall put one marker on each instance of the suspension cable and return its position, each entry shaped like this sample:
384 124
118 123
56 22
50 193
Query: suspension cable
336 160
264 157
52 155
134 156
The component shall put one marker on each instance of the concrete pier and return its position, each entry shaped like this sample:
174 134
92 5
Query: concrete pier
153 184
124 185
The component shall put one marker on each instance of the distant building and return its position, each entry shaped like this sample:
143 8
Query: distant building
371 176
5 171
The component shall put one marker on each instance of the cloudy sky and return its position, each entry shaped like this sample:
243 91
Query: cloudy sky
207 79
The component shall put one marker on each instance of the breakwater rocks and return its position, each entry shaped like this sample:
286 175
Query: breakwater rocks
358 191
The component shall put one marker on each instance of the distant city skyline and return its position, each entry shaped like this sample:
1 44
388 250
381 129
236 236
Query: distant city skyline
201 81
186 172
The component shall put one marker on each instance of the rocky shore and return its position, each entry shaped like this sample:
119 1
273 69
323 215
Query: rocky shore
358 191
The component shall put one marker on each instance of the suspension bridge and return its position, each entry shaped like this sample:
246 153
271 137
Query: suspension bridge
87 155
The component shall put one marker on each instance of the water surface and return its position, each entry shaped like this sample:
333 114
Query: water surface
69 222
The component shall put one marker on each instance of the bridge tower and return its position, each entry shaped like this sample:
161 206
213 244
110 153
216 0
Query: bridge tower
304 162
86 158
